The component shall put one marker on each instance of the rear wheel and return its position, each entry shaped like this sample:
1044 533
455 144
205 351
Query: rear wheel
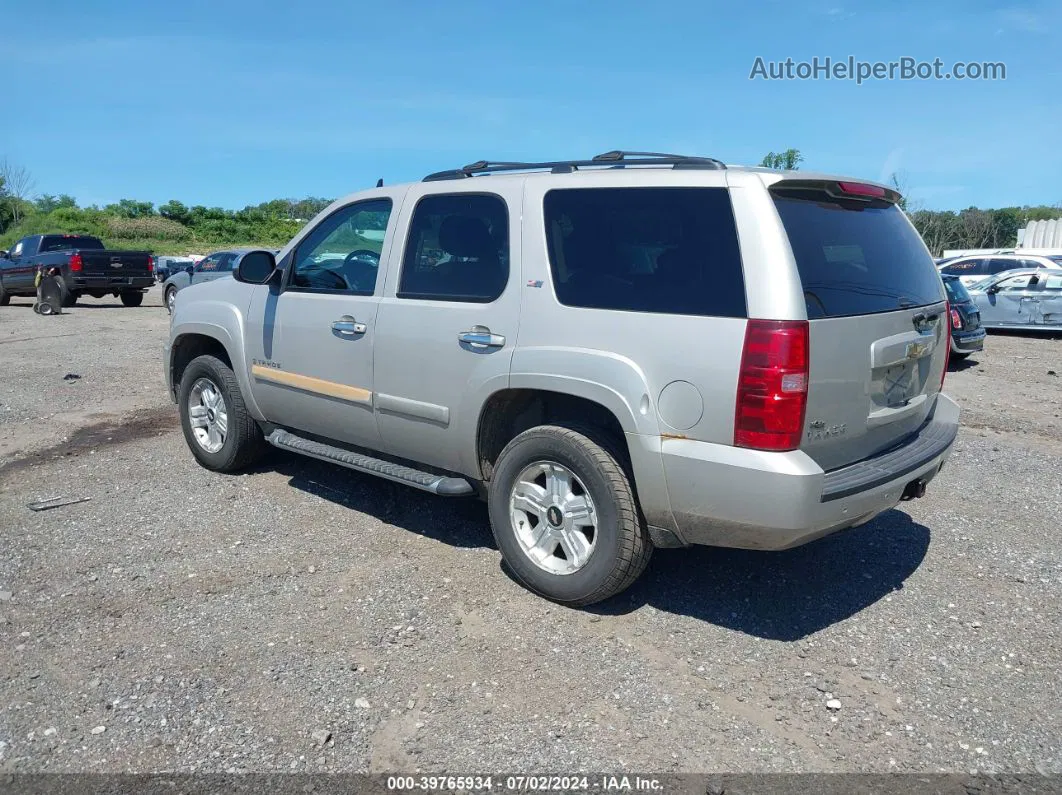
132 298
565 517
219 430
66 296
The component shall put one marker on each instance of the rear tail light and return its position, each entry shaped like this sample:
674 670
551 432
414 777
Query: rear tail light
947 345
75 263
772 393
956 319
151 265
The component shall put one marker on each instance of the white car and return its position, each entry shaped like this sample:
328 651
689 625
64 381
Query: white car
977 268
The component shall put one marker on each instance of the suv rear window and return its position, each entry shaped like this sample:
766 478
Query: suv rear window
956 291
855 257
667 250
63 242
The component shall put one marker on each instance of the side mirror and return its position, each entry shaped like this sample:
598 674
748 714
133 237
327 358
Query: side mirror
3 254
189 269
992 290
256 267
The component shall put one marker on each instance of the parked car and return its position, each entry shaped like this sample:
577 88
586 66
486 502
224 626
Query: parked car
213 266
615 358
1027 300
967 333
975 269
167 266
85 268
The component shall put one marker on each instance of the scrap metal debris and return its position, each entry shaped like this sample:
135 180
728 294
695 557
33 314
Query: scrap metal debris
56 502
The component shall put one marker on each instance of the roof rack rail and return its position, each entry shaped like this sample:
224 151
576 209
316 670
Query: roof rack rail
615 159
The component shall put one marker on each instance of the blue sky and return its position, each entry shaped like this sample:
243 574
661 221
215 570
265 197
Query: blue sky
232 103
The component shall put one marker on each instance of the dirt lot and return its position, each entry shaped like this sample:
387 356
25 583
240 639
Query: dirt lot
304 617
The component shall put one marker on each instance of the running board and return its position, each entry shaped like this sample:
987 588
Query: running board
437 484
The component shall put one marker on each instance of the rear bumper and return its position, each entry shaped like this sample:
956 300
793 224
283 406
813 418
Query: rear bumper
968 341
732 497
111 282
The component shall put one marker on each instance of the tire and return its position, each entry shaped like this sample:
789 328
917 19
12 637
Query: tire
958 357
5 296
620 546
131 298
67 296
243 443
171 296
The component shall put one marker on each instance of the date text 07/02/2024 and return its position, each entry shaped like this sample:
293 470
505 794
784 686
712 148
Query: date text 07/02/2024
530 783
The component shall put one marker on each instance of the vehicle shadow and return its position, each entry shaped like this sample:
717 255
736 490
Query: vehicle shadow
458 522
772 595
782 595
958 365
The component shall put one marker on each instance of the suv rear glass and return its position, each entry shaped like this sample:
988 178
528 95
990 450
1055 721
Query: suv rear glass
666 250
855 257
956 291
63 242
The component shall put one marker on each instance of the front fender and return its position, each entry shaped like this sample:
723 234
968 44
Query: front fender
221 321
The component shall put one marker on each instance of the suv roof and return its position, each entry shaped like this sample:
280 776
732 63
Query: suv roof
623 162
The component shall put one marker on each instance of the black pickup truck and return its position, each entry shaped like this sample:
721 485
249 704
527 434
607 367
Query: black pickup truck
84 267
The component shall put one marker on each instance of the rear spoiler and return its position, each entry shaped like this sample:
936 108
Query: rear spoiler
840 189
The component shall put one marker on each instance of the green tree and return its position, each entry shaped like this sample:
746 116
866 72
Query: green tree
789 160
47 203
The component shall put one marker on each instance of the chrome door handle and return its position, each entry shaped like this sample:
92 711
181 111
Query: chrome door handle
481 337
348 326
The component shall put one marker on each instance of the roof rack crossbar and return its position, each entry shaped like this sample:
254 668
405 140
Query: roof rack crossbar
614 159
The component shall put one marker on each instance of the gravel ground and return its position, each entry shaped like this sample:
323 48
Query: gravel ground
301 617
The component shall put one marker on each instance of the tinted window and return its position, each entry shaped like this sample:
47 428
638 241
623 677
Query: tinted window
342 254
856 257
458 249
61 242
999 265
966 267
1015 283
1028 263
668 250
210 264
956 291
226 262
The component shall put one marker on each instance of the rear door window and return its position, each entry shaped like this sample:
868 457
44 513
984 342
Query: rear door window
997 265
666 250
856 257
458 249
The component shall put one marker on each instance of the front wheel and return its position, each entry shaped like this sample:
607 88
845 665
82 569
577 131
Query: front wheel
565 517
171 298
5 296
958 357
219 430
132 298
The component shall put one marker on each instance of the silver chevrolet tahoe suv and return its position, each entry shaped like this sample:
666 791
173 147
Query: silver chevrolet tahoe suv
630 351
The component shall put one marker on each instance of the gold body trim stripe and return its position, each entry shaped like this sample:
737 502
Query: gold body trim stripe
306 383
